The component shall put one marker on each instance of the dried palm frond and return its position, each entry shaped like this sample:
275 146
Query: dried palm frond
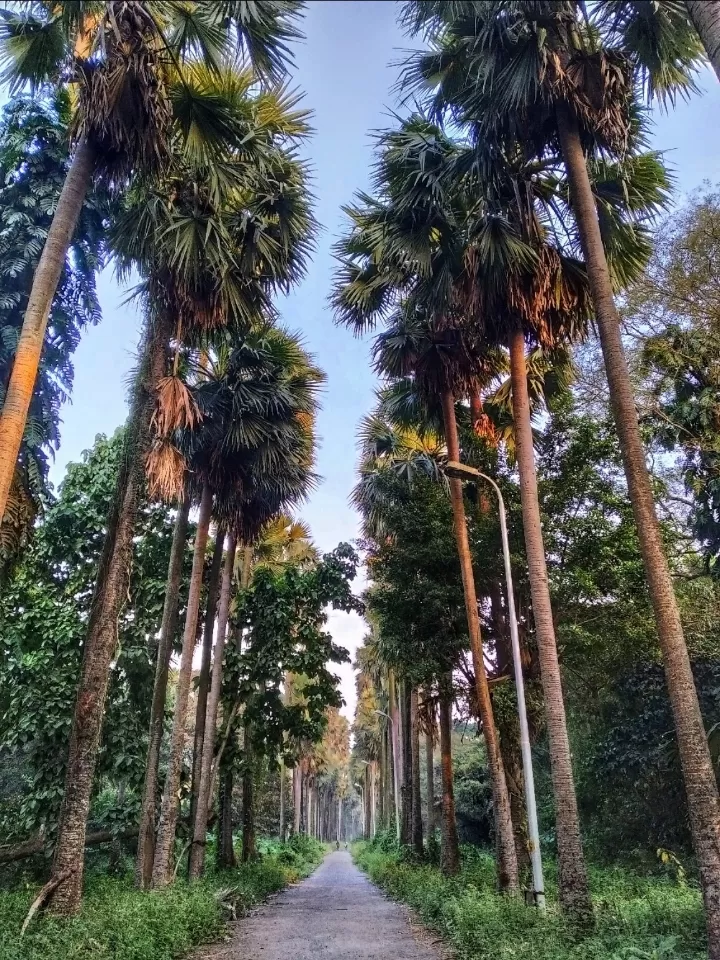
166 468
176 408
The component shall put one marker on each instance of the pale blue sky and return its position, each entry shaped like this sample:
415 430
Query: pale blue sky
344 69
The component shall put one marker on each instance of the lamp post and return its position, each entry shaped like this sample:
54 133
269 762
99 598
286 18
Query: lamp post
463 472
396 791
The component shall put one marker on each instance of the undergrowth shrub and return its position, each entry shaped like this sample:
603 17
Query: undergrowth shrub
637 918
118 922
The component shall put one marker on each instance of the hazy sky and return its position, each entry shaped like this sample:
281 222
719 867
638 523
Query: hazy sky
344 69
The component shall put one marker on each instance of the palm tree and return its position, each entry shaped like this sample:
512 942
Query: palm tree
126 62
252 451
232 233
168 626
705 17
576 95
382 261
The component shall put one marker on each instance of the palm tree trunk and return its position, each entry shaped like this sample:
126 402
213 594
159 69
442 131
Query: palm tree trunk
430 772
507 860
226 850
207 747
705 16
697 767
406 782
572 875
282 800
417 827
111 590
146 841
449 846
396 744
297 798
249 848
168 812
213 590
18 397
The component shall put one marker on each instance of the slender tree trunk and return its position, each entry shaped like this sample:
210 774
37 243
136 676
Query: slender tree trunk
572 879
282 801
162 866
449 846
430 772
207 747
396 744
705 16
695 758
406 782
146 840
204 678
297 798
111 590
507 860
249 848
226 851
417 827
382 813
26 362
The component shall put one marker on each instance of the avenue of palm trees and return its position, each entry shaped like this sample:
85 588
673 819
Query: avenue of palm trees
510 213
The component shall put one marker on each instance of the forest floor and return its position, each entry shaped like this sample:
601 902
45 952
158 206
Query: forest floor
336 914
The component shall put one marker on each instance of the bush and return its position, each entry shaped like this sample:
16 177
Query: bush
118 922
637 917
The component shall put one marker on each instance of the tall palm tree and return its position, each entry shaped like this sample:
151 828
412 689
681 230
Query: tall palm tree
211 240
252 450
573 96
125 61
382 262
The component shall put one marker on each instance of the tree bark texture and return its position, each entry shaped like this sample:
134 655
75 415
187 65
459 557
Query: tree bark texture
207 747
572 875
13 417
111 590
698 773
430 772
449 846
213 589
417 826
705 16
406 782
162 867
249 847
146 840
226 850
507 860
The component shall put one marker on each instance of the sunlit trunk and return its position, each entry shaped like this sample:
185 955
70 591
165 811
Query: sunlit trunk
507 860
162 867
146 838
26 362
697 766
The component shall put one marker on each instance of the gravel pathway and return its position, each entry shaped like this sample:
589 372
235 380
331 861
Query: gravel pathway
336 914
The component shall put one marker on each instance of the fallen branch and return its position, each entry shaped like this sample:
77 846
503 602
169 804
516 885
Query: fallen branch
30 848
43 895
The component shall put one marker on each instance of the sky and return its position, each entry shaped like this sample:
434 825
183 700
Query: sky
344 67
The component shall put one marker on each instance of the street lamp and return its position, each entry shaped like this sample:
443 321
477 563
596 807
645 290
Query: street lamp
396 790
461 471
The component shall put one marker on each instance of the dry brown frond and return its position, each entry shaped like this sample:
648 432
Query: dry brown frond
175 408
166 468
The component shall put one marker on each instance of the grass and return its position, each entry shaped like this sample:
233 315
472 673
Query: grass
118 922
637 918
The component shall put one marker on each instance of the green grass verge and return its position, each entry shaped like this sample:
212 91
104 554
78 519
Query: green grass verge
637 918
118 922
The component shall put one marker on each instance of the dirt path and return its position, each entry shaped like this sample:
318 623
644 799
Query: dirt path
336 914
